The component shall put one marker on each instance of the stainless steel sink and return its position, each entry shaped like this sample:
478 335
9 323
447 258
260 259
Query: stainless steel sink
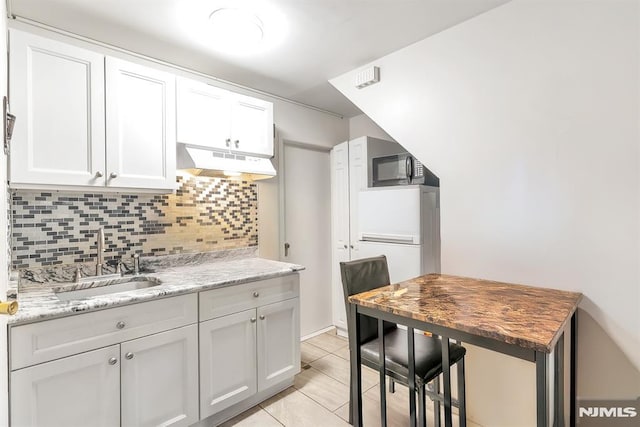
107 288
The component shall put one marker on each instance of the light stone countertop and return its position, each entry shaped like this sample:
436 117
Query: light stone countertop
199 274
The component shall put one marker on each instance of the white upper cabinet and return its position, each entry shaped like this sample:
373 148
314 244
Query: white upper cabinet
221 120
203 115
251 126
57 94
141 132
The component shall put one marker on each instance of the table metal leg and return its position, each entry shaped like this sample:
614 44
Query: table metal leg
356 374
446 379
542 391
383 375
412 376
558 383
462 398
572 369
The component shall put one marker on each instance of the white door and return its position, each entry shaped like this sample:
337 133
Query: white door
251 126
160 379
278 342
204 115
307 229
57 93
227 361
141 126
69 392
339 228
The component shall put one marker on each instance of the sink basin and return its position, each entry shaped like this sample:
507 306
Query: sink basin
110 287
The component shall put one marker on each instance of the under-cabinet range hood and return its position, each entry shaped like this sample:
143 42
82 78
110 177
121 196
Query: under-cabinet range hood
205 162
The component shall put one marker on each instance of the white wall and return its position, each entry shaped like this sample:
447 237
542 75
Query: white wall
362 125
529 115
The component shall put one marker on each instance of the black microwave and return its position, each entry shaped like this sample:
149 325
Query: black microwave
401 169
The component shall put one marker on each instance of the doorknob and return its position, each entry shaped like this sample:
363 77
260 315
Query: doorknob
286 249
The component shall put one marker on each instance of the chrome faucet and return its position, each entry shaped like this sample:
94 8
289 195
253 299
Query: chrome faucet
100 255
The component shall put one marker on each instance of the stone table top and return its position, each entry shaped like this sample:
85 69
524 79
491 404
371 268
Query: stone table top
526 316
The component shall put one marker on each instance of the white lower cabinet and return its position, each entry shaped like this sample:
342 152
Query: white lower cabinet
153 364
159 379
74 391
252 351
227 361
278 342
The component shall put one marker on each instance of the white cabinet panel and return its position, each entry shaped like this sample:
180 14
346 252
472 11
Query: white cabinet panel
251 126
57 93
278 342
227 361
141 133
339 227
204 115
74 391
43 341
160 379
224 121
357 181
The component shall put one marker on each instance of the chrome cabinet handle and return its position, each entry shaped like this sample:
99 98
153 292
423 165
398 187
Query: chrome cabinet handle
129 356
256 294
99 174
351 246
228 142
345 246
113 361
237 143
120 325
253 320
262 317
113 175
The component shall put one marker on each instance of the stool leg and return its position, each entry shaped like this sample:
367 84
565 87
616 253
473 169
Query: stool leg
422 412
462 403
436 403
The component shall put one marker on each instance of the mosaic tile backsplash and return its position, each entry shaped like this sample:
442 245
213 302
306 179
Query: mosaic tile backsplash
204 214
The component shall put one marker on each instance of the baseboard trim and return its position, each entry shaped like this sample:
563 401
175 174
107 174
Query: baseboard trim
316 333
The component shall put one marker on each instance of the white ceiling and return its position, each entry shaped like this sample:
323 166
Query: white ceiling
322 38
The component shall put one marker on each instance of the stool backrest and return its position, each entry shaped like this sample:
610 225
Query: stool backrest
359 276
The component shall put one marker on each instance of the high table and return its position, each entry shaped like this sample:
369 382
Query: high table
522 321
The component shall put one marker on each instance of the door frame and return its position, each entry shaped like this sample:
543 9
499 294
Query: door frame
281 184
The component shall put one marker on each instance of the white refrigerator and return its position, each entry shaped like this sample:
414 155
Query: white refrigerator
403 223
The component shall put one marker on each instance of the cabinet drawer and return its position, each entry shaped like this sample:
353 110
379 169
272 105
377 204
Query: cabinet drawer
232 299
52 339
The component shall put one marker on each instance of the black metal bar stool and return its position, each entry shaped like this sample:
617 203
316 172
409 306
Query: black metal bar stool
371 273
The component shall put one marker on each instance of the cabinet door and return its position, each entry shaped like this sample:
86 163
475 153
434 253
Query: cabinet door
251 126
339 227
160 379
357 182
141 132
227 361
57 94
69 392
278 342
204 115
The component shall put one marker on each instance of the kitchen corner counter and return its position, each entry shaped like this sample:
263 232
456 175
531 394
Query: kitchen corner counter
41 303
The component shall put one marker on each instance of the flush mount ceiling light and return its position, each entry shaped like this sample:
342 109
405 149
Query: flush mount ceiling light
236 30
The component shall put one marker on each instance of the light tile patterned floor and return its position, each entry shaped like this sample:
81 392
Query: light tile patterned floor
320 394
